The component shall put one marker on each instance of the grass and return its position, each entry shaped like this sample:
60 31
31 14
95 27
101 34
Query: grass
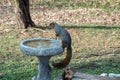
95 50
107 5
103 4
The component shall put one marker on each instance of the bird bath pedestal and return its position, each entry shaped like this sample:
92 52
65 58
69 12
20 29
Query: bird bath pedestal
43 49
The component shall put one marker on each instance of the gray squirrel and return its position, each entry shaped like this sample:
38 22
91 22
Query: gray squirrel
65 38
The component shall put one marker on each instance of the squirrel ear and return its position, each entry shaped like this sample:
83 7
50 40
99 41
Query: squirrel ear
67 68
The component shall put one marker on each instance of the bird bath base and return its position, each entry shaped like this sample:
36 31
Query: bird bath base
43 49
44 72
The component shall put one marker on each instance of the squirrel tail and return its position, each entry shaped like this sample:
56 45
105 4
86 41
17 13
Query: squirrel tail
66 61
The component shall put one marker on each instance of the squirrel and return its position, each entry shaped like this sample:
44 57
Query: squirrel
68 74
65 38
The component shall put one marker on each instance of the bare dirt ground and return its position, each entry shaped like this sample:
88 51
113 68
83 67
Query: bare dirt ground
77 17
81 16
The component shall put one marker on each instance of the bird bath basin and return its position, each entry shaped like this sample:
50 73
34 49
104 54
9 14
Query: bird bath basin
43 49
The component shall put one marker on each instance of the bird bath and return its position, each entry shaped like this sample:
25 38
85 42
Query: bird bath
43 49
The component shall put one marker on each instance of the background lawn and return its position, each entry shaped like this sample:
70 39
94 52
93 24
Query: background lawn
96 46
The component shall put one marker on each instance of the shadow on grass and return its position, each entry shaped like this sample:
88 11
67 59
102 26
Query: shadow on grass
23 75
108 64
94 27
74 27
18 72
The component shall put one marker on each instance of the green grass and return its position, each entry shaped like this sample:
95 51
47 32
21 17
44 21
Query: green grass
95 50
103 4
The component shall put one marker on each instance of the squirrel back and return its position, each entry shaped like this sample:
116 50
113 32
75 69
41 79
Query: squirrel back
62 34
66 43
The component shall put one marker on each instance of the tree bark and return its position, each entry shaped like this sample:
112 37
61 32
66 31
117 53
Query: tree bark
23 14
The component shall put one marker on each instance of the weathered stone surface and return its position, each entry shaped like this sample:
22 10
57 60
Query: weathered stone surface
83 76
43 49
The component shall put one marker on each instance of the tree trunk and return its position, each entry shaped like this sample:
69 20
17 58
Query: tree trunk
23 14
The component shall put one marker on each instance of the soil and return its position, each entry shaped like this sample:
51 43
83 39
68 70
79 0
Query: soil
81 16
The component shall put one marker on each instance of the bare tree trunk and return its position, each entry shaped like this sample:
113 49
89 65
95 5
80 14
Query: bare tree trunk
23 14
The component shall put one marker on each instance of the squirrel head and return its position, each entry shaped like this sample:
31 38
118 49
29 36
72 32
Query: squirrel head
68 73
52 25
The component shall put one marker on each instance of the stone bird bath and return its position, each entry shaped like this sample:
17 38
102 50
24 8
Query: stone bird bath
43 49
